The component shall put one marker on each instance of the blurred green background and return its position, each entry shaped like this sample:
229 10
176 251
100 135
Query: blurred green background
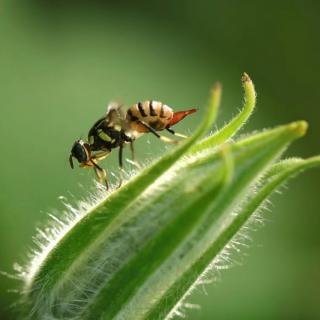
61 62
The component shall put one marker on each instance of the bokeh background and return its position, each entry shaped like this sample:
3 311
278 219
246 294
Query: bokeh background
61 62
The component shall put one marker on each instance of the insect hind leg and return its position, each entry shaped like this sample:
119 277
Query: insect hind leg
154 132
177 134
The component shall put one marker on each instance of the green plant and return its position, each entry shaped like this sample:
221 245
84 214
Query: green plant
138 252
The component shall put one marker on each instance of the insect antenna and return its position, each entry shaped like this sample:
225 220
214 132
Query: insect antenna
71 161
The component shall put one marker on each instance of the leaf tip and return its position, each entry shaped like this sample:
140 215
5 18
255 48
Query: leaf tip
215 95
250 93
217 86
213 106
245 78
299 128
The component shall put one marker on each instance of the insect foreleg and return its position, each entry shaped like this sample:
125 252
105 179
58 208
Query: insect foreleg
100 155
101 174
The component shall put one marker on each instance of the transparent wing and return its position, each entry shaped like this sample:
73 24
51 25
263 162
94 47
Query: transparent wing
116 115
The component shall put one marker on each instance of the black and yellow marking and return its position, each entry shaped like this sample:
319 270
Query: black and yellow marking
104 136
131 116
117 128
152 112
141 109
162 115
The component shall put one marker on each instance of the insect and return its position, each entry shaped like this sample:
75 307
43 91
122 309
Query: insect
119 127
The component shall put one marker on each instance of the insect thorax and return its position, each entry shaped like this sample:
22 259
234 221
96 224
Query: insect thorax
107 138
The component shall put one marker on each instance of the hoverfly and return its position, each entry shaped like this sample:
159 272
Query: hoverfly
119 127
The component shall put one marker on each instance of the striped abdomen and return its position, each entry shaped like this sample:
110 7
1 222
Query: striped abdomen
154 113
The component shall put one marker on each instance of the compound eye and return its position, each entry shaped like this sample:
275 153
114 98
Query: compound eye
79 152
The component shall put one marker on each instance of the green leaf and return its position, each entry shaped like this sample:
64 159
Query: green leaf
210 259
139 252
74 242
191 232
231 128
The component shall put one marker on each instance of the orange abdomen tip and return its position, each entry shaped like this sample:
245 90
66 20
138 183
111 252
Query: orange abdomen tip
178 116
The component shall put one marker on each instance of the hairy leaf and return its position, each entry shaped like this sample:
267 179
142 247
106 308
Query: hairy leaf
139 252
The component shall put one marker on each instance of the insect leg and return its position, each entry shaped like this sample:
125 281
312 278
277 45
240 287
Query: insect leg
176 133
101 174
101 155
163 138
120 164
133 160
133 156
